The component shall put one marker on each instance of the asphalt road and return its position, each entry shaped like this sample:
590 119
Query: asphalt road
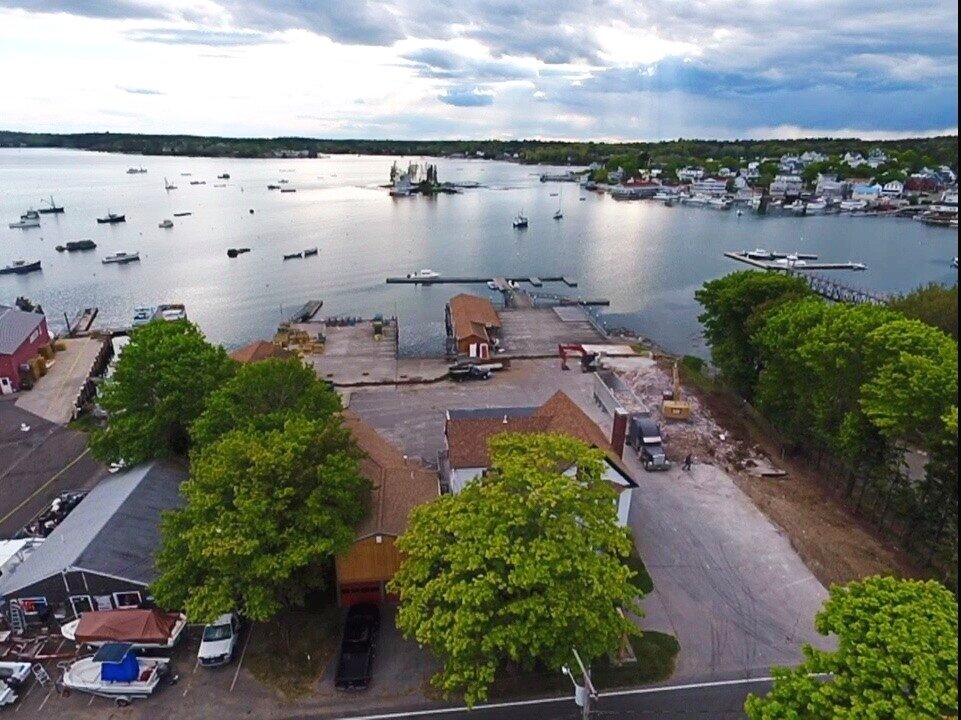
38 464
691 702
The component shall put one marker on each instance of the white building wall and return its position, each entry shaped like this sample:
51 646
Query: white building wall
460 477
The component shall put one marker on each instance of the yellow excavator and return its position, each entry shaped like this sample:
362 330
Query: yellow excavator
676 407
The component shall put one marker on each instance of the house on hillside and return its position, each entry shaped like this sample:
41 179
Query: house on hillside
830 188
101 557
867 193
399 484
894 189
22 335
261 350
473 325
468 432
715 187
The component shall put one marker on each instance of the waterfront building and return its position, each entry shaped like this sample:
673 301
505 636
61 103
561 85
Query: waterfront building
709 186
787 186
473 324
690 174
866 193
893 188
830 188
22 335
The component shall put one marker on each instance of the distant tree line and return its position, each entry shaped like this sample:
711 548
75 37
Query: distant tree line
865 385
674 153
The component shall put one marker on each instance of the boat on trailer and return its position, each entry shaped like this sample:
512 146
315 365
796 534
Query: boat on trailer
116 671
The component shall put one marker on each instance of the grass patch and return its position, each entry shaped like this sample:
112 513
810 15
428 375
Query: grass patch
86 423
290 652
656 654
642 579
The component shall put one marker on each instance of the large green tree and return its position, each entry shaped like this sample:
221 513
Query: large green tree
265 513
897 658
519 567
263 396
935 304
160 385
732 306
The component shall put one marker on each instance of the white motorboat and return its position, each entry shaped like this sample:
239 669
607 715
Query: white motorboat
116 671
140 628
760 254
719 203
520 220
853 205
424 274
816 206
797 207
141 316
491 285
121 257
31 214
167 223
858 267
24 223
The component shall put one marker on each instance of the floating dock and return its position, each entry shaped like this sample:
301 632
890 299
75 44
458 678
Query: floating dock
801 264
534 280
307 312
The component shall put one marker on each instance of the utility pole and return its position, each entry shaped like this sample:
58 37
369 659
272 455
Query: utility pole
583 694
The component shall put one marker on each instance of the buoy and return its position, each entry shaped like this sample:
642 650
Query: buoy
251 211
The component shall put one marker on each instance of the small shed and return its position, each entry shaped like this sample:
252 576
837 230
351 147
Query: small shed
473 324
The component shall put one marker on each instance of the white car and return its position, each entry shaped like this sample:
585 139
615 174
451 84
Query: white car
219 641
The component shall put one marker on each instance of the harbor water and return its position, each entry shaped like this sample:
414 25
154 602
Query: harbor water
647 259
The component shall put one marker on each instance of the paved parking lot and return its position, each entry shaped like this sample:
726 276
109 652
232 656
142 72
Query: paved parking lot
728 584
53 396
38 464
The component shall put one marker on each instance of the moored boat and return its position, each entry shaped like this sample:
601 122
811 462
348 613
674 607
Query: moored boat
293 256
77 245
520 220
234 252
116 671
224 176
112 218
424 274
24 223
136 170
121 258
309 252
51 209
20 267
167 223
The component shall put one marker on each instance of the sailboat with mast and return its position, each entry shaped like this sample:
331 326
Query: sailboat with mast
169 185
50 209
558 215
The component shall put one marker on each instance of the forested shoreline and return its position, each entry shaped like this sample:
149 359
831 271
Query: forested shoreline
867 385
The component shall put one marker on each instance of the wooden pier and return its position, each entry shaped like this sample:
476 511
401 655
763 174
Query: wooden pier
535 280
826 287
307 312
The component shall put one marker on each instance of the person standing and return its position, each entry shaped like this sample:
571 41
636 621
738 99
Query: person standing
688 462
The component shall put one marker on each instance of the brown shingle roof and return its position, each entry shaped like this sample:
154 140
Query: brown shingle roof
472 315
399 484
260 350
467 437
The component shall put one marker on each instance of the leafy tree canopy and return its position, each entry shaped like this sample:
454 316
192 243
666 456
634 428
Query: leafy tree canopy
935 304
159 386
729 304
520 566
265 513
897 657
263 396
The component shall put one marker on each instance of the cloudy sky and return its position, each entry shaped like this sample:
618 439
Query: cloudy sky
557 69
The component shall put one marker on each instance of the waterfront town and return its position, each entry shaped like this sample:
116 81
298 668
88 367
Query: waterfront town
731 545
478 361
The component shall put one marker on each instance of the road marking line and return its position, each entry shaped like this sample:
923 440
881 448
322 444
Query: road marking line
563 698
240 663
45 485
45 701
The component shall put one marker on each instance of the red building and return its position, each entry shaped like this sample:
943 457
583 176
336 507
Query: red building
22 334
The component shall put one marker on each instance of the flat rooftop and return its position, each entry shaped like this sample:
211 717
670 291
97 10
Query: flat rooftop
538 331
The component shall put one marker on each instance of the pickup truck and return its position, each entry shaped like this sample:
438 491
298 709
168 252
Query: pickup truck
460 373
355 664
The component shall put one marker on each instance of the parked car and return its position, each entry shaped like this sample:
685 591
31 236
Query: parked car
355 664
469 372
219 641
645 436
14 674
